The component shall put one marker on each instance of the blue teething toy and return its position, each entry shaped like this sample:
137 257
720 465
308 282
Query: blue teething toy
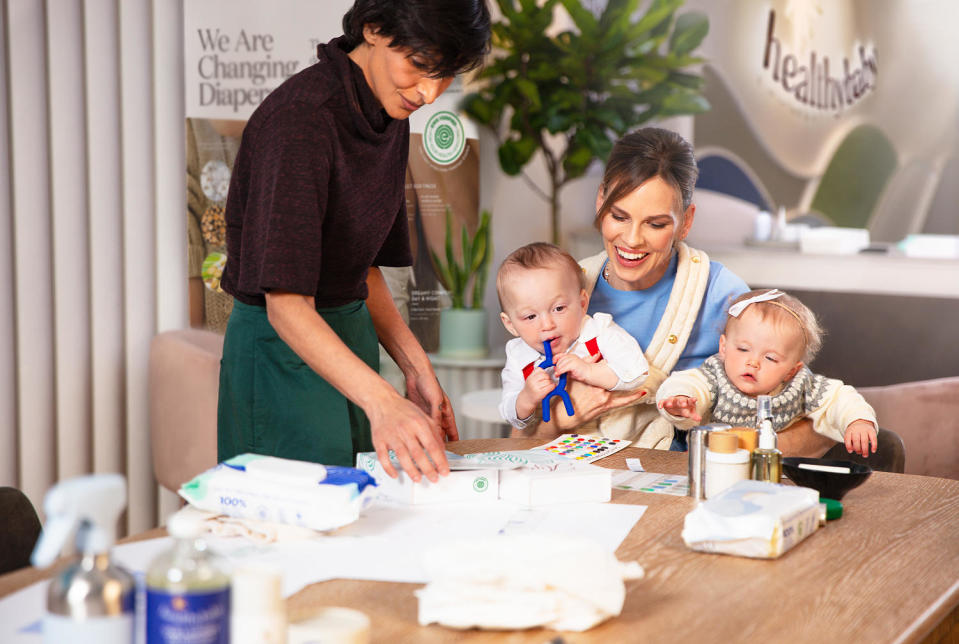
559 389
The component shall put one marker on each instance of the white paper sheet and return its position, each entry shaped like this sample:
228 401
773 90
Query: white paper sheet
20 614
387 544
605 523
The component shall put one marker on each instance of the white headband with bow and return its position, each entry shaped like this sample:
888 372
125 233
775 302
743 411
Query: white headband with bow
736 309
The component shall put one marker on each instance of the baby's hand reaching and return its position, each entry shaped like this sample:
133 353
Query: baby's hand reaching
534 390
682 406
860 435
576 367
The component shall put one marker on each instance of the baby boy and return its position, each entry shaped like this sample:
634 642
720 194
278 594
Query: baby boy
543 299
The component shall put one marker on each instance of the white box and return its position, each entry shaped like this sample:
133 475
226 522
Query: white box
577 484
930 246
833 240
465 485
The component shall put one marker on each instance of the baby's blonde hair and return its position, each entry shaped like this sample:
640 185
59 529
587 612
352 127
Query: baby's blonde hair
786 309
536 255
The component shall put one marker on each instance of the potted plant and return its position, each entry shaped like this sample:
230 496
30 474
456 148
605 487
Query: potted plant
463 327
569 96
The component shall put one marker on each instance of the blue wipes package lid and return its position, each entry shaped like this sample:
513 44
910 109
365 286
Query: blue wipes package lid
267 488
299 472
338 475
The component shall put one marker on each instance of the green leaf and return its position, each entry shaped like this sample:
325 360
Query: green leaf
583 18
482 271
648 73
442 272
577 158
660 11
610 118
480 240
529 90
683 104
478 109
508 159
506 8
466 251
688 32
616 18
689 81
450 257
514 154
557 122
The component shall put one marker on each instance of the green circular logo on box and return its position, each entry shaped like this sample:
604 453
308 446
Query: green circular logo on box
480 484
444 138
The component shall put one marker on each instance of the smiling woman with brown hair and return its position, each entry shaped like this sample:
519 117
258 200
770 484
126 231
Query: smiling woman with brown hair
316 205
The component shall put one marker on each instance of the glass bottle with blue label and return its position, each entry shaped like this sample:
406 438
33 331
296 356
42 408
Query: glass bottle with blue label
188 590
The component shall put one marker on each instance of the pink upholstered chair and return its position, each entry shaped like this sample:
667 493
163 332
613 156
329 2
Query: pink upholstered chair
925 414
184 380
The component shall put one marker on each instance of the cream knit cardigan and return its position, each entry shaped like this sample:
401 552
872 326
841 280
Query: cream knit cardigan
641 422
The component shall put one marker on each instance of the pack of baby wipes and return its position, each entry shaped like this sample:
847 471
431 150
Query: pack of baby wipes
753 519
267 488
467 481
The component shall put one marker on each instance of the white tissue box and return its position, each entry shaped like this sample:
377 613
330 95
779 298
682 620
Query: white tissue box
578 483
464 485
753 519
832 240
930 246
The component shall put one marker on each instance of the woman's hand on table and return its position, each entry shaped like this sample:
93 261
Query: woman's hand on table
425 392
413 436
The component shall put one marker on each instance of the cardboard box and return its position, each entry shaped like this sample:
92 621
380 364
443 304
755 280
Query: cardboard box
466 485
577 483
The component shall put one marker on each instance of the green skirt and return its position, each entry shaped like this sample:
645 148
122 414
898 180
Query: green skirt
271 402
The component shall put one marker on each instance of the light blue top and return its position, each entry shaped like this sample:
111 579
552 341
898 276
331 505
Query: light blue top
639 312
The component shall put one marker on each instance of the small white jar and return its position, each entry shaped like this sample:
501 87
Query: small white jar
726 463
762 226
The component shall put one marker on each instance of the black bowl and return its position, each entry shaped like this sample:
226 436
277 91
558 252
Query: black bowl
830 485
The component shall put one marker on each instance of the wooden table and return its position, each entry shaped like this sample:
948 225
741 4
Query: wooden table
888 571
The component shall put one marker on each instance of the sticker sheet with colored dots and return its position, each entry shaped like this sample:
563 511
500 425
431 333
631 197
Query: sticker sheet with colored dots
674 484
584 448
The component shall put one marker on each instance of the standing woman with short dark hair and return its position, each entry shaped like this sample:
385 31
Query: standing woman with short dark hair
316 205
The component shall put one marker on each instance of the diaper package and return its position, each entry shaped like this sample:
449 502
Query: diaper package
267 488
753 519
470 483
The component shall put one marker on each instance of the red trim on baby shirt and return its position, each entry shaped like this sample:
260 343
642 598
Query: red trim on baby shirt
593 347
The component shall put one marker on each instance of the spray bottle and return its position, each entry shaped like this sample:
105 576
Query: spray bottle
92 600
767 461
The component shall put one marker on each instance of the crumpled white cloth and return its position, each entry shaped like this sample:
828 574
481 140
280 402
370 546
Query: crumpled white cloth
523 581
220 525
